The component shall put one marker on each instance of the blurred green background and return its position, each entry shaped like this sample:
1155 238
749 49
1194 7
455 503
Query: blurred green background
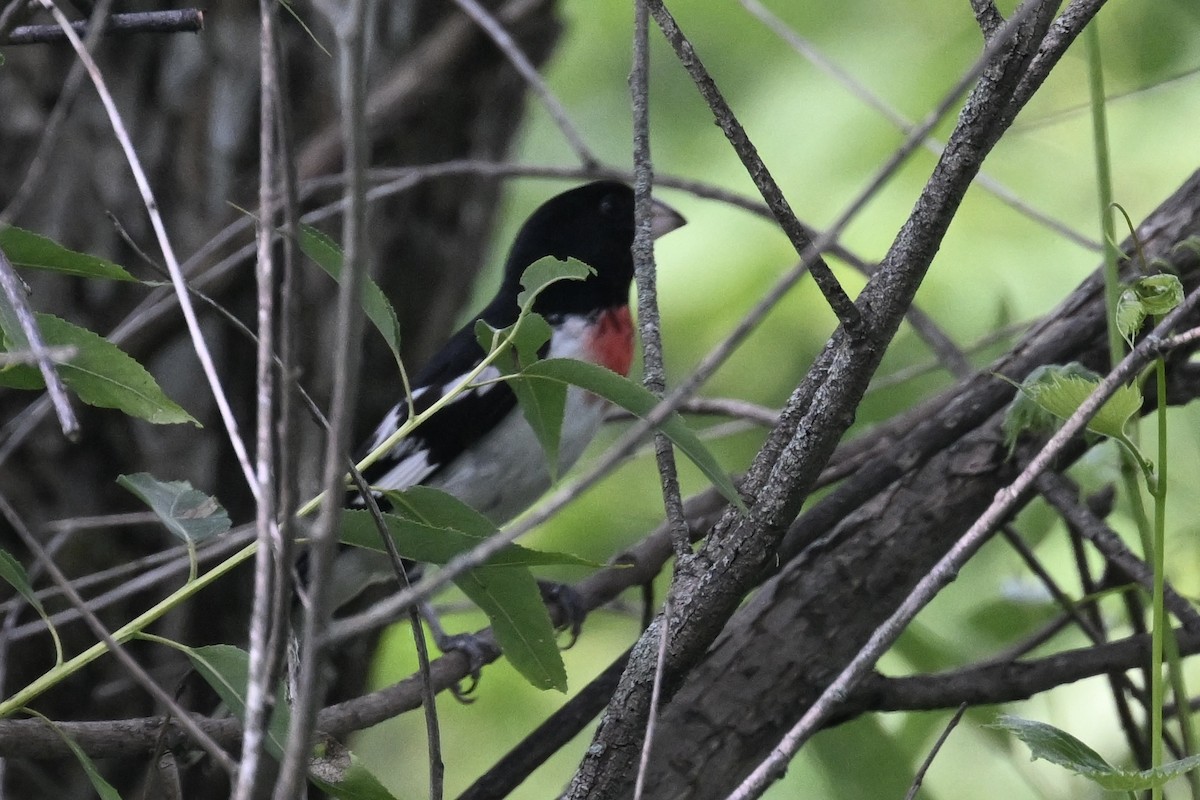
996 267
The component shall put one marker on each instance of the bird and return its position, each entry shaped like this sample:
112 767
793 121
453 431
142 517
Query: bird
480 448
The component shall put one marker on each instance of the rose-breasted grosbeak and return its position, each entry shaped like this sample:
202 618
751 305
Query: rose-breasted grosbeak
480 448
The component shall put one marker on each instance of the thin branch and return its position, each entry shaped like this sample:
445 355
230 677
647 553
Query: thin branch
348 21
919 778
521 63
184 20
655 700
654 375
835 295
25 326
905 125
264 659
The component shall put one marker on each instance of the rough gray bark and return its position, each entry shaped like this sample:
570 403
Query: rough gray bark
871 540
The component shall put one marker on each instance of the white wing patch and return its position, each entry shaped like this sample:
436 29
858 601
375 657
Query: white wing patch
408 472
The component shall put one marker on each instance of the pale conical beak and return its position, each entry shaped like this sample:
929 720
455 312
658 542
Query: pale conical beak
664 219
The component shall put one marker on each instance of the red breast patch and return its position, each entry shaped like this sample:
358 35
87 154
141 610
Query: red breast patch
611 342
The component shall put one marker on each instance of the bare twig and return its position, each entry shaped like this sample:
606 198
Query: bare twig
653 370
184 20
264 659
25 326
919 778
348 21
655 699
521 63
835 295
894 116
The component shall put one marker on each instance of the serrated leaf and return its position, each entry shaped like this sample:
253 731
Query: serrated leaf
100 374
1062 395
436 545
189 514
635 399
513 603
1059 747
1024 414
14 573
545 271
28 249
227 670
326 253
339 773
104 789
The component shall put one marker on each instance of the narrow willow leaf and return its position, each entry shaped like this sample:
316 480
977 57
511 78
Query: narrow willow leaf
513 603
1059 747
100 374
189 514
638 401
545 271
436 545
541 402
14 573
227 670
544 404
28 249
104 789
326 253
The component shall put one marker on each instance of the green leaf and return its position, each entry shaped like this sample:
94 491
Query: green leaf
27 249
227 670
1062 394
545 271
335 770
513 603
544 403
189 514
508 595
100 374
326 253
1160 294
638 401
14 573
434 544
339 773
104 789
1059 747
1024 413
1155 295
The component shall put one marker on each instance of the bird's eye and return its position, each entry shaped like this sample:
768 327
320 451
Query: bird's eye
608 206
